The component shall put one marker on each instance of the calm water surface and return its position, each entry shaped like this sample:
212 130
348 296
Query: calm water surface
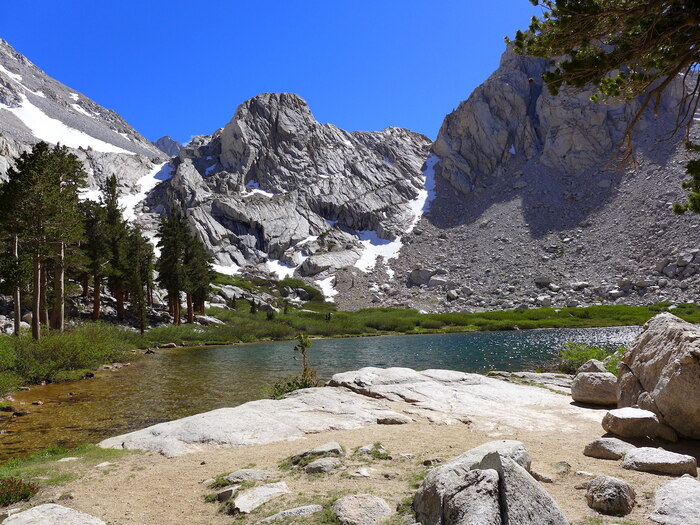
181 382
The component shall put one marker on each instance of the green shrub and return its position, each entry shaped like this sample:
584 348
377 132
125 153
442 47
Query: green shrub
289 384
13 490
573 355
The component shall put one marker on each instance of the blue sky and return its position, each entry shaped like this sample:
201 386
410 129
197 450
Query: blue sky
181 68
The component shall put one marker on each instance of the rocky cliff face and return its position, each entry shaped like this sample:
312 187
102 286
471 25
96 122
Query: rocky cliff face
532 208
34 107
276 186
168 145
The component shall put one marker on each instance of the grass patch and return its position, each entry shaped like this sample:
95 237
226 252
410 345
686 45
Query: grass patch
43 467
416 478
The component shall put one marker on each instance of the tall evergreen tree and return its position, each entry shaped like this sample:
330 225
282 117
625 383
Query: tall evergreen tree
116 230
172 234
96 249
198 275
140 274
39 204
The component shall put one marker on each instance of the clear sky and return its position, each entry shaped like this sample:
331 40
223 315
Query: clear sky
181 68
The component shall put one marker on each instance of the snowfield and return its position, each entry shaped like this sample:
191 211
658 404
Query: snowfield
54 131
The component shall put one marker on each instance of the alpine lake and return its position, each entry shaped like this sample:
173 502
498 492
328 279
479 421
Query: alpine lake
178 382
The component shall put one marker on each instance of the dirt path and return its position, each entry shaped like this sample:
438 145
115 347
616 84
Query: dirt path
148 489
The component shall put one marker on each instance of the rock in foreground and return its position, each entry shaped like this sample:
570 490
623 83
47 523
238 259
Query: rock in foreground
677 502
661 372
595 388
251 499
637 423
489 485
610 496
52 514
607 448
659 461
361 509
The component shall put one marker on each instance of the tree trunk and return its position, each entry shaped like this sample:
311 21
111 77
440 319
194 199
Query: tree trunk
96 298
171 304
119 296
43 303
59 292
190 310
149 293
86 285
177 308
17 294
36 298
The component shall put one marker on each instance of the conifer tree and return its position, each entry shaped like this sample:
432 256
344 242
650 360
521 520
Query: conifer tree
39 204
198 275
140 260
172 234
116 230
95 249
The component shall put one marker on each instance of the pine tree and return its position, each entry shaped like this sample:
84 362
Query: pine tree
66 226
198 275
95 249
116 230
39 204
172 234
140 258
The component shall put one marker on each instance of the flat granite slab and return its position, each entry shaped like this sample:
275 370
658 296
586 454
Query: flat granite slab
367 396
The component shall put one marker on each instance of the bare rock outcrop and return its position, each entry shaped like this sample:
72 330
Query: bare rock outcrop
661 373
368 396
276 184
677 502
52 513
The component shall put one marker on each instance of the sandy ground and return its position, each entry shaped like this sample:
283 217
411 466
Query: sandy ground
148 489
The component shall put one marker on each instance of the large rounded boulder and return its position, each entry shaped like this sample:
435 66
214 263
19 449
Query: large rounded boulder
661 373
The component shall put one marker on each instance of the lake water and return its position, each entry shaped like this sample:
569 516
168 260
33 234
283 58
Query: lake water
180 382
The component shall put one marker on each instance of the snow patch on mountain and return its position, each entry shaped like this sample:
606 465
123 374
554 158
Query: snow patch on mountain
280 269
145 184
54 131
376 247
327 286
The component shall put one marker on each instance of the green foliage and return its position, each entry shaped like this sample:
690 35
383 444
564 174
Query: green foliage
13 490
308 377
61 356
691 185
621 46
288 384
628 49
573 355
42 467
